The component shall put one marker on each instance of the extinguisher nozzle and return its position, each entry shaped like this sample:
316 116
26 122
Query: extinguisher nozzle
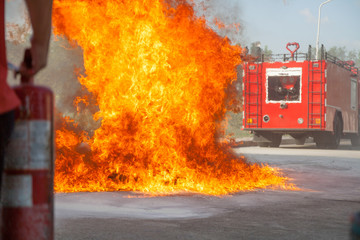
13 68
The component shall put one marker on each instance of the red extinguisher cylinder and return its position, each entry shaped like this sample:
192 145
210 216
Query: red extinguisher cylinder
29 162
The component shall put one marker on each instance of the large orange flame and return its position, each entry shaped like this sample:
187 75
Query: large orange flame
158 75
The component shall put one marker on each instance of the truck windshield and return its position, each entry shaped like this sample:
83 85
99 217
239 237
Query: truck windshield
283 88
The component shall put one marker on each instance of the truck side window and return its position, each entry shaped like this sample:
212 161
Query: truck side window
283 88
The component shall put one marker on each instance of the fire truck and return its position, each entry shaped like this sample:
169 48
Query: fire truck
303 97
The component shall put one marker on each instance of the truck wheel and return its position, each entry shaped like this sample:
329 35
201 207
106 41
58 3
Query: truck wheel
355 141
276 140
322 140
320 144
263 144
334 140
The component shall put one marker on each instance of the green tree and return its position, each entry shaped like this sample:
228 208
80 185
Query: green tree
352 55
267 53
339 52
343 54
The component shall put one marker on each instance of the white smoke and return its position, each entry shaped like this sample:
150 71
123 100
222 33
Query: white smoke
64 61
17 21
225 11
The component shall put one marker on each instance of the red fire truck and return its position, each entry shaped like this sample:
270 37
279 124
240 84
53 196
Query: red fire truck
304 97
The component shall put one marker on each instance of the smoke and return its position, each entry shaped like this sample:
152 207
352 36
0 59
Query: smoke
224 17
65 61
18 27
65 65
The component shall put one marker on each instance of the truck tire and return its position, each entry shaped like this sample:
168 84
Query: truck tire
355 141
320 143
330 140
276 140
334 139
319 139
263 144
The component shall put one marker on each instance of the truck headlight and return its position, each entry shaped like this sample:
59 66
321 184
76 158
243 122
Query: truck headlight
300 121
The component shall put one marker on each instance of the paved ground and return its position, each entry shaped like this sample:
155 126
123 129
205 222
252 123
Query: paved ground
330 180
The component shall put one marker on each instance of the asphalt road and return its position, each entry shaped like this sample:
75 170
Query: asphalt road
329 179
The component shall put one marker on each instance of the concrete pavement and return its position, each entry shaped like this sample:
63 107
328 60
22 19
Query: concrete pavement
330 193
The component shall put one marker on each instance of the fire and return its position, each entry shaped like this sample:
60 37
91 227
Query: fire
157 74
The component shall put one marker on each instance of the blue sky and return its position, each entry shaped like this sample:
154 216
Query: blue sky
276 22
272 22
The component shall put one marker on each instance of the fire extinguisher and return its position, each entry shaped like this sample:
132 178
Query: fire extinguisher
28 175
